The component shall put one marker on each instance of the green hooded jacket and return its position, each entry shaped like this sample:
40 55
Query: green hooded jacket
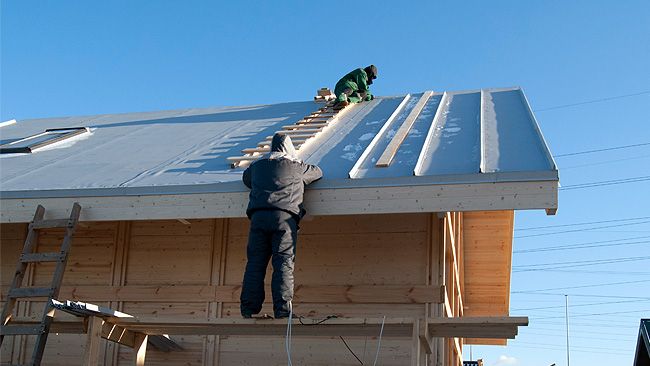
357 80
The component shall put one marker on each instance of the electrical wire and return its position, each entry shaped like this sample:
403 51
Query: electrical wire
577 263
601 150
605 183
287 342
381 332
606 162
583 223
583 295
592 314
561 106
582 229
577 305
350 349
593 244
623 273
584 286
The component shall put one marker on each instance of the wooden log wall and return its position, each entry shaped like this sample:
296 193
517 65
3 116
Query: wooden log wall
348 266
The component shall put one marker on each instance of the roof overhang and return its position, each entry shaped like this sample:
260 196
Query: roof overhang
323 199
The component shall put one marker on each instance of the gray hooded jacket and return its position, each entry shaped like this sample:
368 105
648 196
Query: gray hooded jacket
277 181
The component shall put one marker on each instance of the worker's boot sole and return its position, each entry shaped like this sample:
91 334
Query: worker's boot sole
341 105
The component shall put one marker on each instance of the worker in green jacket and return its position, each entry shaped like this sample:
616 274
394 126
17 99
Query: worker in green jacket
354 87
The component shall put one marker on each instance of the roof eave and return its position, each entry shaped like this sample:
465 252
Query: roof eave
485 196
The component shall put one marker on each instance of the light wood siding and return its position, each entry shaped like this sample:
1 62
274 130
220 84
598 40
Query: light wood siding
165 269
488 263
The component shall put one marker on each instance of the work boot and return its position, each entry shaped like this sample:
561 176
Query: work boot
341 104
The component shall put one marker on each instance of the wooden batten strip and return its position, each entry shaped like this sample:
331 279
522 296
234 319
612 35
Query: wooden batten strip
354 172
387 157
389 294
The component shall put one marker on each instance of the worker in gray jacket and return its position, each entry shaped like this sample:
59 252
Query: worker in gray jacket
277 182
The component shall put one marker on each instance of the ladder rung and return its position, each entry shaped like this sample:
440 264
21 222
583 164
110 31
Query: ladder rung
22 292
22 329
42 257
296 143
254 150
269 139
51 224
304 128
310 123
300 131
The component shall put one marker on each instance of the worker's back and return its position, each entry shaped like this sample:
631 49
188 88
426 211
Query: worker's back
278 181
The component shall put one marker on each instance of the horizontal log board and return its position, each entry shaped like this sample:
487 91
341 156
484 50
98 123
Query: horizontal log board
303 294
483 327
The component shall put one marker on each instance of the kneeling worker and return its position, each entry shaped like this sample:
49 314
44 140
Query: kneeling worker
354 87
277 182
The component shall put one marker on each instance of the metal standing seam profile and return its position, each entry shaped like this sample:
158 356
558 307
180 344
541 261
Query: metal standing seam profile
417 171
354 172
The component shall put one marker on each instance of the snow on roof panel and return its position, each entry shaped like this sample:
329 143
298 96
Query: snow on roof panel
185 151
454 143
510 138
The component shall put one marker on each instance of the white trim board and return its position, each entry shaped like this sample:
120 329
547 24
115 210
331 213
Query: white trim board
341 201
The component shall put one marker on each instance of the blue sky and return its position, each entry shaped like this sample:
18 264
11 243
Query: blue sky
64 58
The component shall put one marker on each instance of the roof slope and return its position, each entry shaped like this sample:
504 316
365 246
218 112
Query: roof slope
468 137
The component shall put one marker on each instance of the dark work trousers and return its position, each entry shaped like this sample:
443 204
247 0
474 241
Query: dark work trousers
273 235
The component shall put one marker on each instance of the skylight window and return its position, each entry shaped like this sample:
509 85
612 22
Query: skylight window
49 137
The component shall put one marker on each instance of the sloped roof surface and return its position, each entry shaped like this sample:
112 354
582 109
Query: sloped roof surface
465 137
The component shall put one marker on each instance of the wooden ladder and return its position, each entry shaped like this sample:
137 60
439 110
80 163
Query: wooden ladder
16 291
301 131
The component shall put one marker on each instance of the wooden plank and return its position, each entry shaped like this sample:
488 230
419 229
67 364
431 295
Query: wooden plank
416 346
51 224
25 292
309 127
15 329
362 294
387 157
140 349
42 257
354 171
94 335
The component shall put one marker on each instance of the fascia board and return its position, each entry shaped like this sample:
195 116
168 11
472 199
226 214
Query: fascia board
322 201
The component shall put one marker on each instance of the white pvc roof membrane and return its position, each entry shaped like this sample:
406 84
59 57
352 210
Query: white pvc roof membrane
476 136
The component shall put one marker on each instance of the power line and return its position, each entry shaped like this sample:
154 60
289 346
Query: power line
584 286
582 223
583 295
592 314
601 150
583 229
576 246
589 261
577 264
561 106
578 305
564 168
605 183
626 273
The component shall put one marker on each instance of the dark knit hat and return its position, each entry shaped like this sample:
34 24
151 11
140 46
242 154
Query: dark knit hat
371 71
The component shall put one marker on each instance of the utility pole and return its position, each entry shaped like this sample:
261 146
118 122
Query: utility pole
566 317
